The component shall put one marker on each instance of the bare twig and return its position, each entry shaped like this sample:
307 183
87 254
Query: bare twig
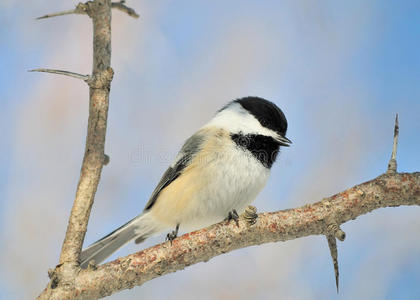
335 232
82 9
392 165
332 244
61 72
122 7
61 13
387 190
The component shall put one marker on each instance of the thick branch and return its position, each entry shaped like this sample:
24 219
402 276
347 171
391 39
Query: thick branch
387 190
100 12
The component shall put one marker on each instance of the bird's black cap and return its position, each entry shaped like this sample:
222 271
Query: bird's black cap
266 112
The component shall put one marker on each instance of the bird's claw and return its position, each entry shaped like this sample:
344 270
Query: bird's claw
233 215
172 235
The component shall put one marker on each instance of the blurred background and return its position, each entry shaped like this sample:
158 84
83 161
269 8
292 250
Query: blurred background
340 70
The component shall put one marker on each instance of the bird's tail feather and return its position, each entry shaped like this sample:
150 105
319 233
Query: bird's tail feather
138 228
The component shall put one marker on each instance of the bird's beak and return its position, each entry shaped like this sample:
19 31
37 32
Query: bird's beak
284 141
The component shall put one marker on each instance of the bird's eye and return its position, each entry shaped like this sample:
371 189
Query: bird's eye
264 122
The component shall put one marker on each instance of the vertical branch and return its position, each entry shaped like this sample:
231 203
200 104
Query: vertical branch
100 13
63 277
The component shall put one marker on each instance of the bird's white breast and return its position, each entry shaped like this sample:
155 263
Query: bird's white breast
230 178
219 178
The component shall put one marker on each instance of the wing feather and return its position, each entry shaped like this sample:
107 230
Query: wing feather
184 157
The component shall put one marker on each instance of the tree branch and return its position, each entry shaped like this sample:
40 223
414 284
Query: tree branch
388 190
94 157
82 9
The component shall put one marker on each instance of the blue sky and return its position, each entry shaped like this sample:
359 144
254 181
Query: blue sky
339 70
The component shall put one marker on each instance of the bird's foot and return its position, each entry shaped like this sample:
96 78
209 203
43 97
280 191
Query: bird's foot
172 235
250 215
233 215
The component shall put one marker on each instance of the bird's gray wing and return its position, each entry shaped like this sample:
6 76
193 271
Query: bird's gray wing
184 157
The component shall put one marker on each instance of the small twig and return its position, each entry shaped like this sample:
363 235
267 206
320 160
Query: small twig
392 165
332 244
334 231
122 7
61 72
82 9
61 13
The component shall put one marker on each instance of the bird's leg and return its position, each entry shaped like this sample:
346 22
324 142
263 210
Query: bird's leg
171 236
233 215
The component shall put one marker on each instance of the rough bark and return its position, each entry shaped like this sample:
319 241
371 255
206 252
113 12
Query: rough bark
100 12
388 190
94 157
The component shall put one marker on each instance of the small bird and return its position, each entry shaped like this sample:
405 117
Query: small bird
218 172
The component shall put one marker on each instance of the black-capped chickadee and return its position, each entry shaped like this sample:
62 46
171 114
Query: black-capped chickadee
218 172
